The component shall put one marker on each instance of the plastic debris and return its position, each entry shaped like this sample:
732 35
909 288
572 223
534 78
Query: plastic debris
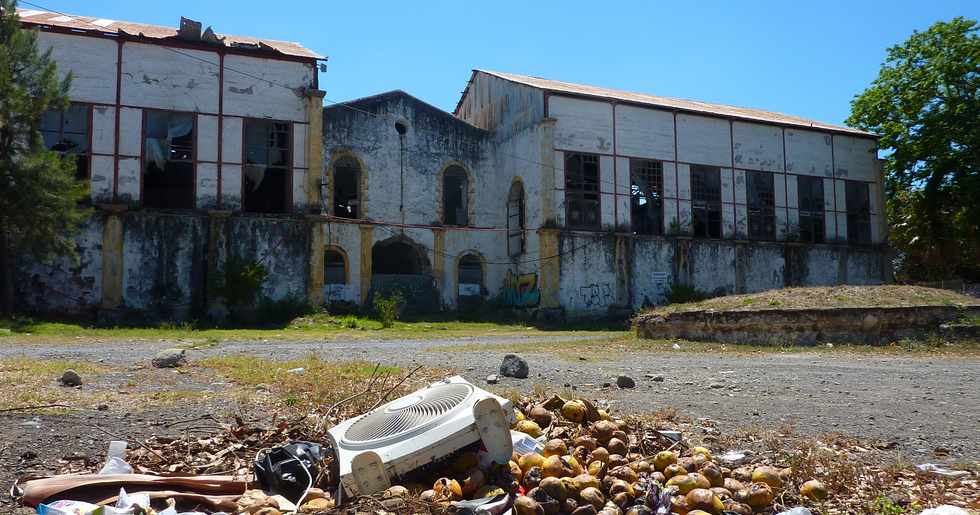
799 510
734 458
932 468
116 459
945 509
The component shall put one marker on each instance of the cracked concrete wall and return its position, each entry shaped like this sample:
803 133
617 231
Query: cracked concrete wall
63 286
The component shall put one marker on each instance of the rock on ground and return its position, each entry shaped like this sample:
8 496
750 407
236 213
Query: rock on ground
514 366
170 358
70 378
493 379
625 382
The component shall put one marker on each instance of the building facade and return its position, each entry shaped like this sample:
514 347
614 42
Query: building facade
534 194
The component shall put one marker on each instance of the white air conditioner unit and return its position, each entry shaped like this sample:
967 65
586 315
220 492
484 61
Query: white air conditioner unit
417 429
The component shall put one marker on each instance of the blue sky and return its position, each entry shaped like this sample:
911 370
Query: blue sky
803 58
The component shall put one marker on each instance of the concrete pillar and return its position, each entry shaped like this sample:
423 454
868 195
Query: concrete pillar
314 280
548 215
314 149
550 277
439 261
624 270
367 241
112 257
217 250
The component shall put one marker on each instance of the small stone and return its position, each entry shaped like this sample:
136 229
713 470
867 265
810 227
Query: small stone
70 378
625 382
514 366
493 379
102 407
657 379
716 386
170 358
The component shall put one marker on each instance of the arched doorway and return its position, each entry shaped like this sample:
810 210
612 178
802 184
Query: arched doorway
399 265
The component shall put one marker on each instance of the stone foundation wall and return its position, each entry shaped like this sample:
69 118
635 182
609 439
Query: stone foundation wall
801 326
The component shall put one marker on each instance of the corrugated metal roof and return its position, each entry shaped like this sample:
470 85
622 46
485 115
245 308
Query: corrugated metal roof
104 25
743 113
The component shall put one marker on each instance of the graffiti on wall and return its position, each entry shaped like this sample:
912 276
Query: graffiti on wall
596 295
520 291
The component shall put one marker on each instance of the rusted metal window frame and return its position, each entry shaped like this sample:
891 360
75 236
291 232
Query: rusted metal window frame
193 161
653 196
811 211
760 205
578 192
288 169
861 217
80 156
711 208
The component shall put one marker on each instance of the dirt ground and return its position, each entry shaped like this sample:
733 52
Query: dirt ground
925 407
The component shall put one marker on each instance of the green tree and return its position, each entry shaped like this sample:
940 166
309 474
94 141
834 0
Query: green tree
925 104
39 194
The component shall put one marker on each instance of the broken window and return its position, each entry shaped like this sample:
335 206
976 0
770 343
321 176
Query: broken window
515 219
582 191
168 160
67 132
761 197
810 195
334 267
346 190
646 196
858 213
455 186
706 201
267 171
470 275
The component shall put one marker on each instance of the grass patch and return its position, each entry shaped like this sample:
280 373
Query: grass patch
320 383
33 382
320 326
888 295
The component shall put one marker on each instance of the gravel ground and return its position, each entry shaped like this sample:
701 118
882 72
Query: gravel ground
920 403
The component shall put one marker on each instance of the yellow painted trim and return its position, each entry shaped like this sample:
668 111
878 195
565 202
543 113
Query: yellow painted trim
314 288
112 261
367 242
549 280
314 149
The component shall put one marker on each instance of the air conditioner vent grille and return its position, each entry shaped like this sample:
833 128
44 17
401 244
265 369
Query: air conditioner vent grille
409 414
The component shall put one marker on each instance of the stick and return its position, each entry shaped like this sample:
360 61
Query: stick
393 388
141 444
39 406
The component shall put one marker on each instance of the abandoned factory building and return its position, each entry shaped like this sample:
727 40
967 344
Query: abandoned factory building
535 194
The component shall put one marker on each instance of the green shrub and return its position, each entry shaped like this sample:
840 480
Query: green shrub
388 308
683 293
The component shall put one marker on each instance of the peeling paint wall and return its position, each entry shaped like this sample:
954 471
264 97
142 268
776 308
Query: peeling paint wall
63 286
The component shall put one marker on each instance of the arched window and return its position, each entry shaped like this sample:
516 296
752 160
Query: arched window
334 267
470 276
455 186
515 219
346 187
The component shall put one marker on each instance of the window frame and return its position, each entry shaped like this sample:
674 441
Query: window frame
468 184
571 193
760 213
87 154
520 232
814 211
459 271
340 159
343 259
860 218
193 161
288 170
658 228
708 206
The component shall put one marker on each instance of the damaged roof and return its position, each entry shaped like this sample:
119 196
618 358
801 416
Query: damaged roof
120 28
694 106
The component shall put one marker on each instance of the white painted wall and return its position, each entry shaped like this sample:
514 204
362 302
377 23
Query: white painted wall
855 158
704 140
156 77
647 133
91 61
809 153
583 125
757 146
271 89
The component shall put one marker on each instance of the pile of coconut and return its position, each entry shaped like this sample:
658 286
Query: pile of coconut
595 464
